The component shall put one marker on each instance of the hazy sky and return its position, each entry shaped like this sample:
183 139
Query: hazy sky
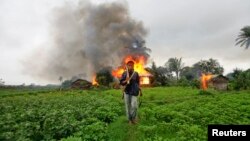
192 29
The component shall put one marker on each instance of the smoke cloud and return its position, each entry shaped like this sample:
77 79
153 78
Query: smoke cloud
87 37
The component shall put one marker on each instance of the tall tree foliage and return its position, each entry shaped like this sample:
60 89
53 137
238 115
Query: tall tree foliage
161 74
244 37
1 82
104 76
241 80
175 65
209 66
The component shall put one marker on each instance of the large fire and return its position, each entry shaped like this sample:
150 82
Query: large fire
204 80
138 67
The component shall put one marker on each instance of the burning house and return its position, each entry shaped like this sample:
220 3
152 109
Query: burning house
145 80
139 65
218 82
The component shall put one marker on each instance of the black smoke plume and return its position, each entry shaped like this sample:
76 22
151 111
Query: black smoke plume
87 37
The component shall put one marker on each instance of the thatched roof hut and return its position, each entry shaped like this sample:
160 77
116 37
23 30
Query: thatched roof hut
220 82
81 84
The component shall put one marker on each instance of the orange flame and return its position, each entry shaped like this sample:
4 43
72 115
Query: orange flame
139 61
144 80
94 82
204 80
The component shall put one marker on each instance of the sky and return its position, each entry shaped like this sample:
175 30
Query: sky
192 29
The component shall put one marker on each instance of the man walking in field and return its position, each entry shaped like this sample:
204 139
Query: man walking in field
130 80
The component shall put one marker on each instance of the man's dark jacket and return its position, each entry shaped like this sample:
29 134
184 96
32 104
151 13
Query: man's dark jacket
133 87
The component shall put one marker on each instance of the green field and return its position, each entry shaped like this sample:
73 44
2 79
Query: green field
165 113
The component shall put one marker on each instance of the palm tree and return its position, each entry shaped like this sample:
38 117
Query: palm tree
244 37
1 82
175 65
60 79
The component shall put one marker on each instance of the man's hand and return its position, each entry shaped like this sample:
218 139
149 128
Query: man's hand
126 81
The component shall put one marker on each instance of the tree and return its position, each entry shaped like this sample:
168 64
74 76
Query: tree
153 70
236 72
208 66
1 82
233 75
66 84
60 79
164 75
175 65
188 73
244 37
241 80
161 74
104 76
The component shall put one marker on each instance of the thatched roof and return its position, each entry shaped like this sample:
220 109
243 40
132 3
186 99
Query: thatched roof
81 84
220 79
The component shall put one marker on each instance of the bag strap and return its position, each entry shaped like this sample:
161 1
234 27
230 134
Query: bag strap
131 75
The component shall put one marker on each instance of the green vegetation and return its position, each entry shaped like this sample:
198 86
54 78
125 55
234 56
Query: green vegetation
6 91
184 75
240 80
166 113
104 76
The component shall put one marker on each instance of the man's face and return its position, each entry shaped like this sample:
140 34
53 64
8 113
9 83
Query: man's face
130 66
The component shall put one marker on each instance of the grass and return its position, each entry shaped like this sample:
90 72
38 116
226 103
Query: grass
14 91
177 113
166 113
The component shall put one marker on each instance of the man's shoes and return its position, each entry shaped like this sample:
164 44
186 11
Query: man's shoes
134 121
130 122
